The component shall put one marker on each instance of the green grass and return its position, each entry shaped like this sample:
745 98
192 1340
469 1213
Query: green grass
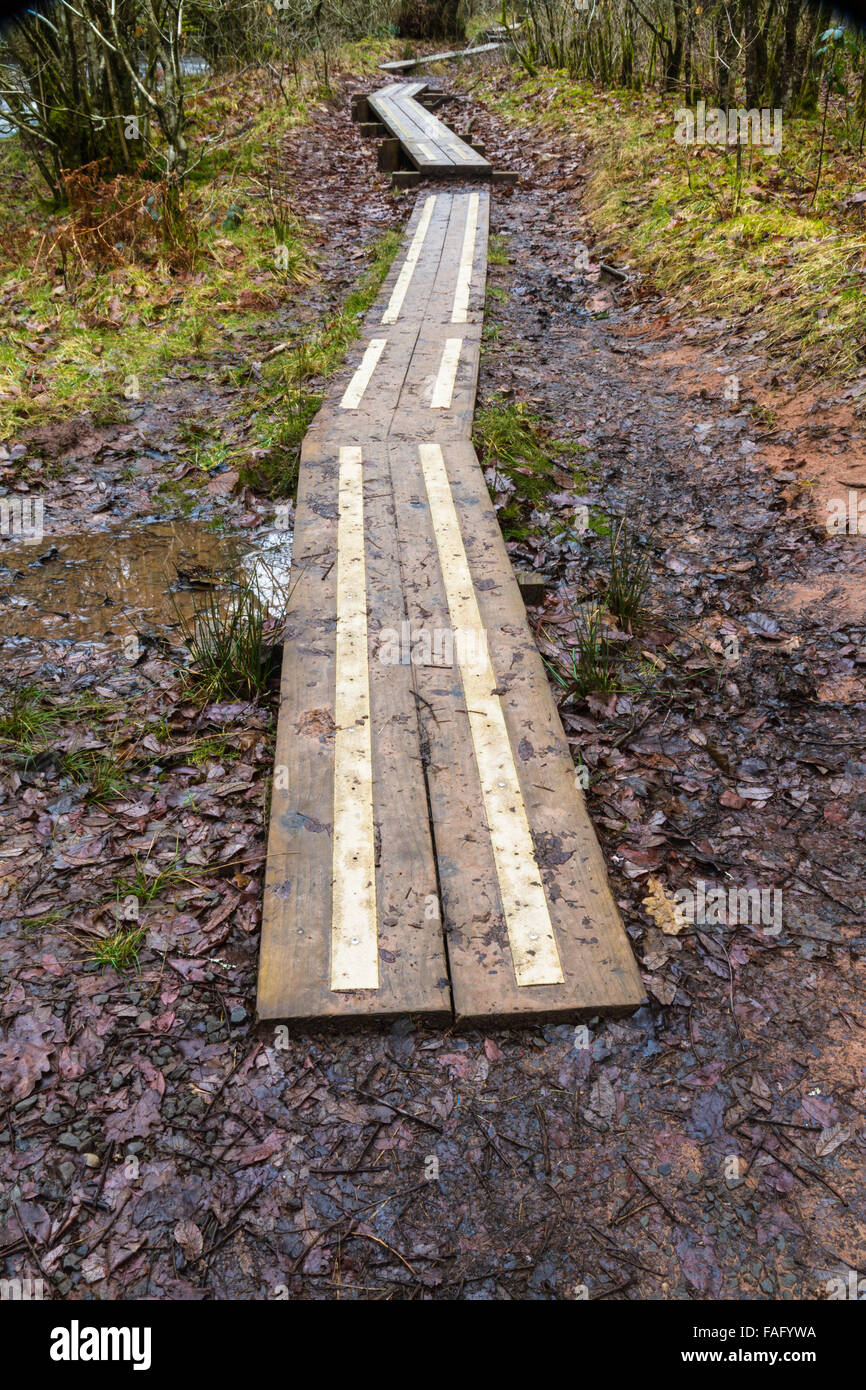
518 444
289 396
228 638
145 886
275 473
725 242
26 718
497 249
34 925
592 666
101 773
629 577
121 950
31 717
208 748
203 446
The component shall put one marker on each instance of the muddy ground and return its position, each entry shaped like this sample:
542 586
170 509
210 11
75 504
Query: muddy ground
156 1143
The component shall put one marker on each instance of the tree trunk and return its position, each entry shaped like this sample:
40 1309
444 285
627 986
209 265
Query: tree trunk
727 48
781 96
430 19
805 87
674 60
756 52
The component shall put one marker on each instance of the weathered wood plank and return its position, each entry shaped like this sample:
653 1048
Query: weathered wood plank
562 891
308 928
429 144
404 64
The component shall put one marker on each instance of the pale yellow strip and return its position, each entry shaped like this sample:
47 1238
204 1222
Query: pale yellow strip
354 937
354 392
527 917
407 270
467 257
443 388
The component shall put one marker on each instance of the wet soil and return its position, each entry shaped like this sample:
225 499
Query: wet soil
156 1144
116 582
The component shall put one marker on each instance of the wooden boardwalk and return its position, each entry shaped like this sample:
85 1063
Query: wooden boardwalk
404 64
431 147
429 849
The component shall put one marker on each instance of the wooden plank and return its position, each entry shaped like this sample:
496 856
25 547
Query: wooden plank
532 944
370 389
419 144
438 392
354 924
298 926
404 115
410 263
388 156
525 898
446 139
598 969
431 146
412 692
403 64
467 235
417 302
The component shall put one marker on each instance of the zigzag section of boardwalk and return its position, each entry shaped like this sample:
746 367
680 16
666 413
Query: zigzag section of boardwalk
430 145
429 849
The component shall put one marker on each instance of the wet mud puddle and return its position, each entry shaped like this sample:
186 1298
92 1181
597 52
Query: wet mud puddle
131 579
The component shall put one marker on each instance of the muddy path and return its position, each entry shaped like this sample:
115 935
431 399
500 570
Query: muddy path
157 1144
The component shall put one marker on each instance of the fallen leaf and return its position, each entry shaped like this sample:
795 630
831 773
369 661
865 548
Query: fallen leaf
24 1056
831 1139
137 1122
189 1238
665 991
665 911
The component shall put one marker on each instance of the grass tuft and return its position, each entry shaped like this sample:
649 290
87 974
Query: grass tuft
144 886
629 577
26 719
121 950
518 445
592 665
102 775
229 639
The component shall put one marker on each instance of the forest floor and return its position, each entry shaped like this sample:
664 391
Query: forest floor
154 1141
